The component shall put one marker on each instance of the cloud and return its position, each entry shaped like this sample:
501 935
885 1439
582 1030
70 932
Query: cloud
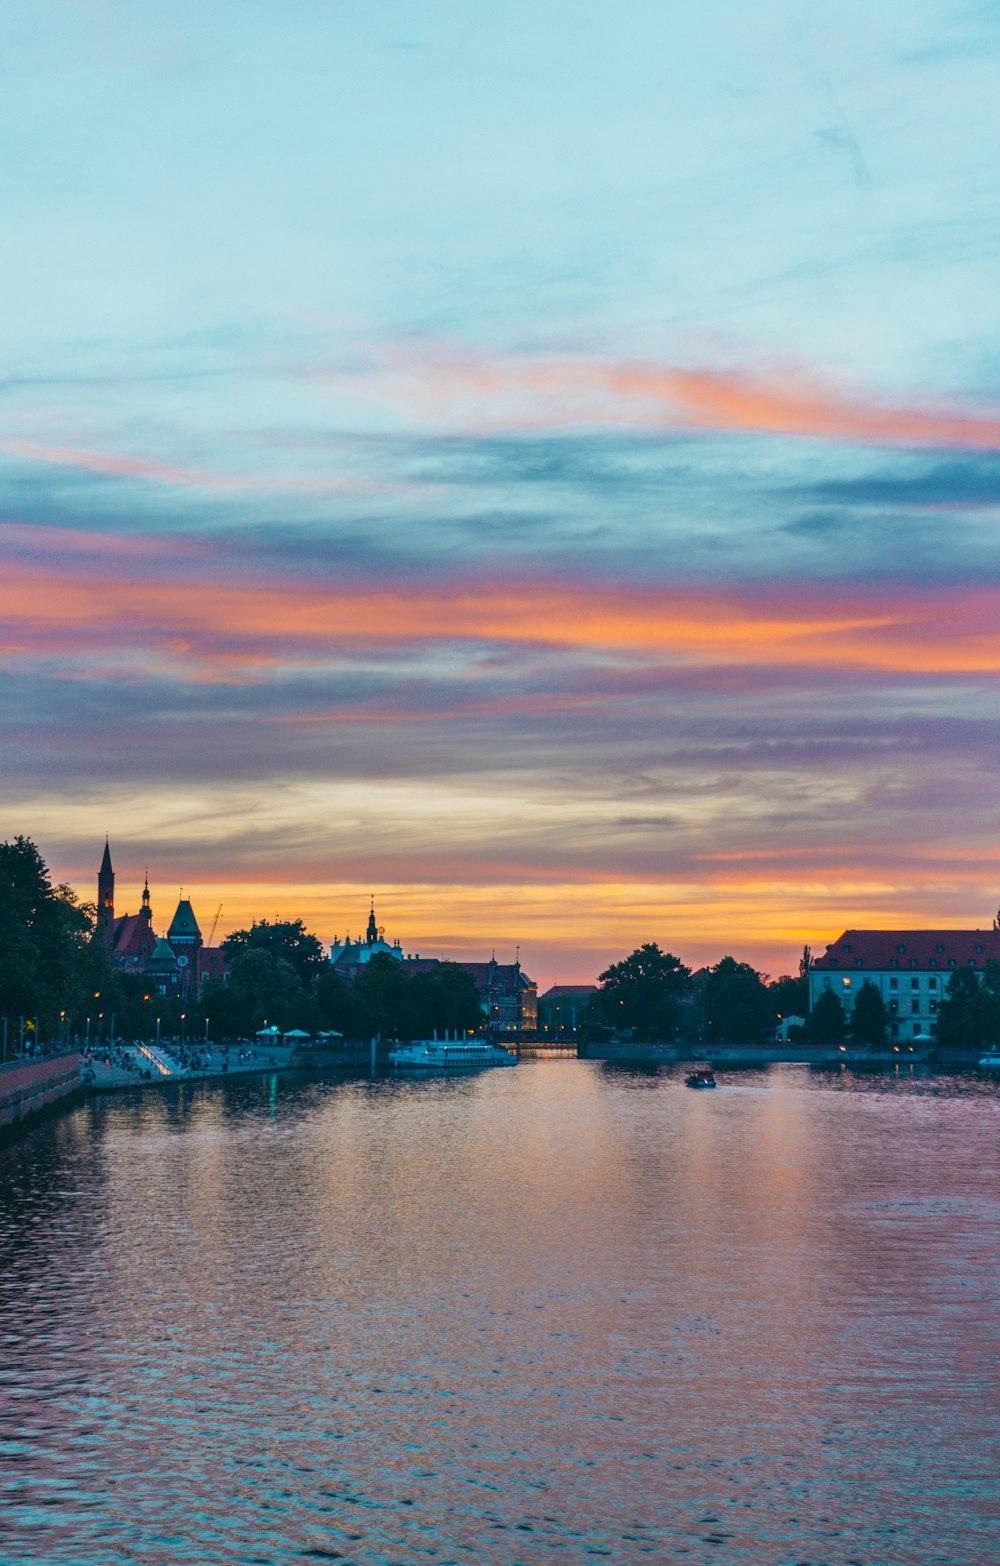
449 386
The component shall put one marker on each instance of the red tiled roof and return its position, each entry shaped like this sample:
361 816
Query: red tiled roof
881 949
558 990
132 936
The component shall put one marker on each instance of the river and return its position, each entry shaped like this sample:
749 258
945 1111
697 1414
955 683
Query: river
560 1314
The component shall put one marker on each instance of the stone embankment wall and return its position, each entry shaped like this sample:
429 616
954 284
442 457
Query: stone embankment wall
30 1085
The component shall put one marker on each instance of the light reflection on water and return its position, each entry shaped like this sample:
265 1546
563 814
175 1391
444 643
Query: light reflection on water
557 1314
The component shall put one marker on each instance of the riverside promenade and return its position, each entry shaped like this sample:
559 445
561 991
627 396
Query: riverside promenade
27 1086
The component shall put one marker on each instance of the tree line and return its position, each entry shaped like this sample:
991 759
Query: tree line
56 978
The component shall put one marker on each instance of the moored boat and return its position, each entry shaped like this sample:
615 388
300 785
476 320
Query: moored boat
438 1054
991 1060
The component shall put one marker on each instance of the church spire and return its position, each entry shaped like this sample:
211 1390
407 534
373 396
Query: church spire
106 897
147 912
372 926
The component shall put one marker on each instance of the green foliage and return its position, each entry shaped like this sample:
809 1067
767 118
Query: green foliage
870 1018
736 1005
261 989
48 964
825 1026
969 1017
285 938
642 993
789 996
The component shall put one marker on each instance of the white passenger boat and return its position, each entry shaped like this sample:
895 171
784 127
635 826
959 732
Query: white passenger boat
436 1054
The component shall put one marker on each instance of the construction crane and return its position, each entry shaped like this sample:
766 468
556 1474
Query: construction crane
211 933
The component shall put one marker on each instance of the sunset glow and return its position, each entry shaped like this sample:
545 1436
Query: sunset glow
569 513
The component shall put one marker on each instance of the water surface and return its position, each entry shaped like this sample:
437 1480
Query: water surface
551 1315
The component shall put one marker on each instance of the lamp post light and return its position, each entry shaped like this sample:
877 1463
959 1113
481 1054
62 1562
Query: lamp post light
183 1015
100 1019
62 1028
157 1031
87 1046
206 1032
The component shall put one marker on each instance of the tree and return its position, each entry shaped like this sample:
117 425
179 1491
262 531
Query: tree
643 993
736 1005
285 938
870 1018
49 961
446 998
825 1026
383 1000
969 1017
789 996
261 988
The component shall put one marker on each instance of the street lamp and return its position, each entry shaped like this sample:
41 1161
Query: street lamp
183 1015
157 1031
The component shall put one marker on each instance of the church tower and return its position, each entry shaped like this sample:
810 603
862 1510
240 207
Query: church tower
106 898
146 913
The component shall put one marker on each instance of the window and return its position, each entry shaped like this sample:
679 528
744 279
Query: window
932 982
859 962
951 962
914 983
847 946
846 983
979 949
894 983
933 962
901 950
933 1006
894 963
915 1005
939 948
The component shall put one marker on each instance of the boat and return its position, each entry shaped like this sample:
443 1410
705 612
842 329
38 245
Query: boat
445 1054
991 1060
700 1079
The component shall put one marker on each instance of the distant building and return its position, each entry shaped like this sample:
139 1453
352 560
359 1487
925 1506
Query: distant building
347 957
561 1008
507 997
909 968
177 965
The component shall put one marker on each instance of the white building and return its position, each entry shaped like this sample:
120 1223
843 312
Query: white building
910 969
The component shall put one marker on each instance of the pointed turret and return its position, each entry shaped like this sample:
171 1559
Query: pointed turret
372 935
106 897
146 912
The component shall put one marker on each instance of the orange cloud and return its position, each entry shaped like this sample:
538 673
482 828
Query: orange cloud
475 392
196 614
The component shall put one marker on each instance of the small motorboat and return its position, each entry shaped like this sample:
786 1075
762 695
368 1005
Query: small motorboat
991 1061
700 1079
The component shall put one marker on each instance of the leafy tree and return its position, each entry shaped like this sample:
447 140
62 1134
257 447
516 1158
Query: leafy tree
643 992
446 998
48 962
736 1004
970 1012
261 988
825 1025
789 996
870 1017
285 938
382 995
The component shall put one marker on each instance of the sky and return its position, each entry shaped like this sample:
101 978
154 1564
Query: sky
537 465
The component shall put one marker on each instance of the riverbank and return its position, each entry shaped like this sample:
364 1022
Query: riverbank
29 1088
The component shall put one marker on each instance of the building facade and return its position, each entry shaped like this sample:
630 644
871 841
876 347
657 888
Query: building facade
909 968
175 965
